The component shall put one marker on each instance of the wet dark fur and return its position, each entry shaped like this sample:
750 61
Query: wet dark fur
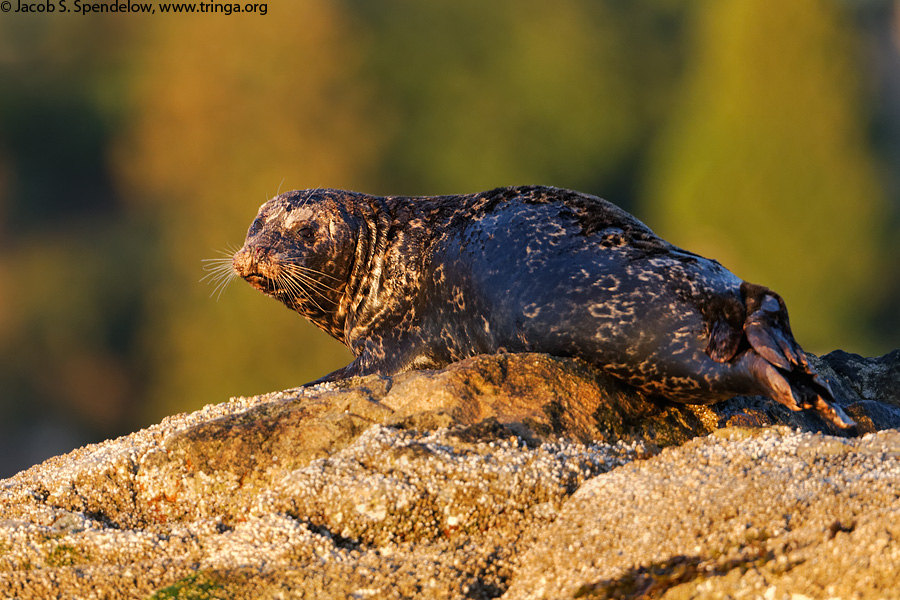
411 283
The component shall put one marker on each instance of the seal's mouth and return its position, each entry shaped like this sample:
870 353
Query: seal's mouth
261 283
295 285
251 264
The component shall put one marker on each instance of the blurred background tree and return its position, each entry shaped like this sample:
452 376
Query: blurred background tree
765 163
131 147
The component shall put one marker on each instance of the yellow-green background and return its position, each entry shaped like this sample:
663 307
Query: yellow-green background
762 133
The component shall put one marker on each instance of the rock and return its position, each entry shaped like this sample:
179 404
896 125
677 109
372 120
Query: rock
868 387
754 513
499 475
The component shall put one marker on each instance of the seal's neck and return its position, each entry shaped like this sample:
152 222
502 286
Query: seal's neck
362 302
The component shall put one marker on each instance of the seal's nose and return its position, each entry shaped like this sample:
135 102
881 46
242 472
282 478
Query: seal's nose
245 261
255 266
239 261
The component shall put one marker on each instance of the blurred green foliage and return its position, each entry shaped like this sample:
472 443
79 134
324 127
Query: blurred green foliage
765 164
132 147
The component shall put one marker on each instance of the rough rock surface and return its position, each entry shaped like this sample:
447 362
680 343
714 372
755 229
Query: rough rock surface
521 476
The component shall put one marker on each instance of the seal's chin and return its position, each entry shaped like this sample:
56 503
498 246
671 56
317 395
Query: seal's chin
262 283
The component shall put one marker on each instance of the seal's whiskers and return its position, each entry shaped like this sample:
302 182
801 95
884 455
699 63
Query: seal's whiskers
298 284
308 275
219 272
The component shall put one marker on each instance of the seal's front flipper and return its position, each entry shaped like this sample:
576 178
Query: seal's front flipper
779 364
354 369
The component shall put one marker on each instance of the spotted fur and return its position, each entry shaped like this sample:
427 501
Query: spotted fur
411 283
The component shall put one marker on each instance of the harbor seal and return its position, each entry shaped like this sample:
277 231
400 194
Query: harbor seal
420 282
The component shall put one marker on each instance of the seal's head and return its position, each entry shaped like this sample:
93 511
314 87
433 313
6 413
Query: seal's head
299 251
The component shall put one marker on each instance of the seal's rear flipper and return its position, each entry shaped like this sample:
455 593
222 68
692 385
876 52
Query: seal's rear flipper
779 364
768 330
791 390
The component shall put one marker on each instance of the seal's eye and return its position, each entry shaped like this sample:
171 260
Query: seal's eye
306 232
255 227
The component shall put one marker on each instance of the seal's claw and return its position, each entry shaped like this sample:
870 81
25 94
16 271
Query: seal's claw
833 414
